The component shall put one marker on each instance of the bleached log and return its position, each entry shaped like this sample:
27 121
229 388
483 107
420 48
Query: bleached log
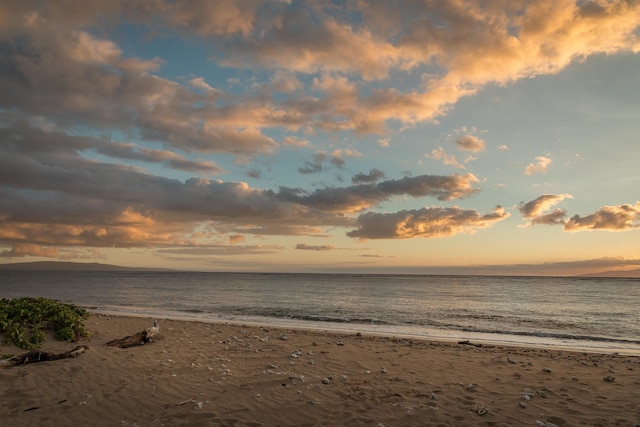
140 338
41 356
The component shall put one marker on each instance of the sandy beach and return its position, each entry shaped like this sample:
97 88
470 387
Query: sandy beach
223 374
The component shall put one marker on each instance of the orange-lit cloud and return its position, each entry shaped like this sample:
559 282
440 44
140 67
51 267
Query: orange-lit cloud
610 218
236 238
446 158
540 166
222 250
70 71
82 202
425 222
30 249
306 247
358 197
71 94
470 143
535 209
223 17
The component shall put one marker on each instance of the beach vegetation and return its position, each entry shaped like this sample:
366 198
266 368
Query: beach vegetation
26 321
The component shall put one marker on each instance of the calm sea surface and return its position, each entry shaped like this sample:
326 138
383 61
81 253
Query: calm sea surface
601 314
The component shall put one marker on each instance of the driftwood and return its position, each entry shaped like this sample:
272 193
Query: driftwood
469 343
141 338
130 341
41 356
35 356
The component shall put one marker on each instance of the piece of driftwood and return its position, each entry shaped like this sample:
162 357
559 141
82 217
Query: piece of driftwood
41 356
469 343
140 338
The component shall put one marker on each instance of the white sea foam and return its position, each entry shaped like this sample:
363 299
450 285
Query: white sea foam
572 313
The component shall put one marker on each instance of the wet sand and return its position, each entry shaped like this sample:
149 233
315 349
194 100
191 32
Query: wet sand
223 374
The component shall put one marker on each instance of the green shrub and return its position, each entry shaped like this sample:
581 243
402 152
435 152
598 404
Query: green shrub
24 321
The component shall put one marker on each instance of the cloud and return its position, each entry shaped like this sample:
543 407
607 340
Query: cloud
293 141
537 206
34 141
358 197
446 158
338 156
306 247
81 253
236 238
325 43
470 143
53 196
30 249
224 250
66 79
314 165
284 82
534 210
222 17
384 142
541 166
200 83
171 159
374 175
73 201
425 222
609 218
61 69
254 173
76 78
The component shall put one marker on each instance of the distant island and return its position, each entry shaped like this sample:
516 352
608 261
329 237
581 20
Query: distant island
615 273
72 266
94 266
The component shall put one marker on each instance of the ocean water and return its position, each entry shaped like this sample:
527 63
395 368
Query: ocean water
594 314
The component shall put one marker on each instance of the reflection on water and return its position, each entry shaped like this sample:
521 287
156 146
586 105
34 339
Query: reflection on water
603 310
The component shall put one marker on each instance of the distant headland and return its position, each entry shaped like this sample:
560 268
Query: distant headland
632 274
73 266
94 266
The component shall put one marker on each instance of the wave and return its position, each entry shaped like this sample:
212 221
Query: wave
282 314
287 315
383 326
430 323
540 334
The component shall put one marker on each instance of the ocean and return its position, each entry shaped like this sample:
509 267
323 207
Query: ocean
591 314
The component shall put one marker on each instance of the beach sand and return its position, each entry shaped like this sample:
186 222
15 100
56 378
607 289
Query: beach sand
223 374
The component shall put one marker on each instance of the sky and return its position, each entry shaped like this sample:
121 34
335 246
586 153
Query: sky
498 137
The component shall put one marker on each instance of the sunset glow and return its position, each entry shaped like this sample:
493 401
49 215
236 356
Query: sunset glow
410 137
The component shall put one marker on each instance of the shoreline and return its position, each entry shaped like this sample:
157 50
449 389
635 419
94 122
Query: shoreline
426 334
200 374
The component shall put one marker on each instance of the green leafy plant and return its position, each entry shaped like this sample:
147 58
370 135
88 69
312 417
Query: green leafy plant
25 321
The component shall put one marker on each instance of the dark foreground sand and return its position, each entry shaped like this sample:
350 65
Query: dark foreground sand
200 374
